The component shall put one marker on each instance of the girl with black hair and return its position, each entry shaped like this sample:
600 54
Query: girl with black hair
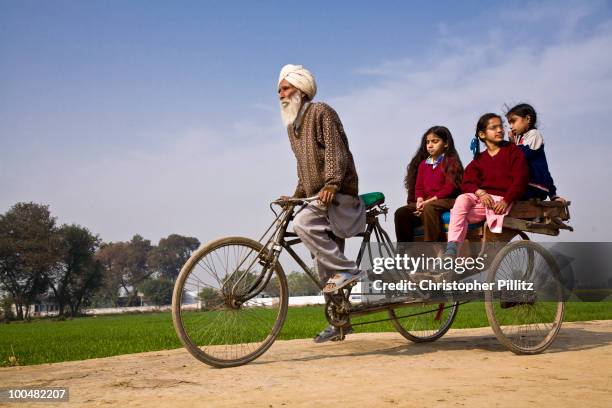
432 182
491 182
524 132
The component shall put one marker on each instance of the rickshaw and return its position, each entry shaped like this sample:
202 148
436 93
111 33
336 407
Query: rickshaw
231 297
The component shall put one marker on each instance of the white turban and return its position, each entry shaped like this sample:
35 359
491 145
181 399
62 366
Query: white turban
299 77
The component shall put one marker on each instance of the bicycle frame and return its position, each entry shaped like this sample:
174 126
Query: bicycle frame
278 233
372 226
276 241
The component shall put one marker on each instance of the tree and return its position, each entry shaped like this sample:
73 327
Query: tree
85 286
211 298
6 301
300 284
137 270
76 275
157 291
169 256
28 249
113 259
125 265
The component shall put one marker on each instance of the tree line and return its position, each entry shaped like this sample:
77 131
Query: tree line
73 268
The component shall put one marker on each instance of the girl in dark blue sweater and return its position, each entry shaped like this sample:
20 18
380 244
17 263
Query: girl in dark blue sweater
522 119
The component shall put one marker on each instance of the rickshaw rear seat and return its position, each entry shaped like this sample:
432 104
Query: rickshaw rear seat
521 217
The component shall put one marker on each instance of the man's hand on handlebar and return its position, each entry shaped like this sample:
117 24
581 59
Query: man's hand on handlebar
284 201
325 196
288 201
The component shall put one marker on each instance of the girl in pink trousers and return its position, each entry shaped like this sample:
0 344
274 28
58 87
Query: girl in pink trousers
491 182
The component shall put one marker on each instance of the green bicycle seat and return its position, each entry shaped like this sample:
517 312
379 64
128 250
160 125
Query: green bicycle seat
372 199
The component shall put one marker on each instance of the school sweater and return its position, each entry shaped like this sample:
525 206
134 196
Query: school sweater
532 145
431 180
505 174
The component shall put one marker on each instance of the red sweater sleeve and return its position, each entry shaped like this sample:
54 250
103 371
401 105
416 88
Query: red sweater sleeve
448 188
419 189
471 178
520 174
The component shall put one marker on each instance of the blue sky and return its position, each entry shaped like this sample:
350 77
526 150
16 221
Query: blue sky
158 117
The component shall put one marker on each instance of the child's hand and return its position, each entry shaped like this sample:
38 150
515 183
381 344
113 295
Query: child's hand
486 200
511 136
419 204
500 207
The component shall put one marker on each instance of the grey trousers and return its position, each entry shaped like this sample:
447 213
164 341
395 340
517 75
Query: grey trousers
312 225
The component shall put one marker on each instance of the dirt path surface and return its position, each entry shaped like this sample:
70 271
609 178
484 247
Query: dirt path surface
465 368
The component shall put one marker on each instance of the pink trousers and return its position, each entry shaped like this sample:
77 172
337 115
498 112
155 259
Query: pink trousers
469 210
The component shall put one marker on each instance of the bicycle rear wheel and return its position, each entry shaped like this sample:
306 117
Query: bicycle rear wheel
424 323
228 305
525 321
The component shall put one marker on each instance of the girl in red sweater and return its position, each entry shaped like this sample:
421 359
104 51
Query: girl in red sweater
432 181
491 182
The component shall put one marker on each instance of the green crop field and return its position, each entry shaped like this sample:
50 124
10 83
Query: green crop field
48 341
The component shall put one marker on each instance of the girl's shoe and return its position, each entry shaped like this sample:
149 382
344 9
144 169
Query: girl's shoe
451 250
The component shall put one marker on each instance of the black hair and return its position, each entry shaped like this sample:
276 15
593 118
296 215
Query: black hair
523 110
481 126
452 168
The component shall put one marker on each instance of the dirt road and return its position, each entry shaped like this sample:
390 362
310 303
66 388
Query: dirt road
465 368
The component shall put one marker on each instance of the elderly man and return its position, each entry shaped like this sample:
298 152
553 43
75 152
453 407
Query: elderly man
325 169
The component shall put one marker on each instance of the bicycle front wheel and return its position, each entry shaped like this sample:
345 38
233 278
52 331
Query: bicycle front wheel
229 302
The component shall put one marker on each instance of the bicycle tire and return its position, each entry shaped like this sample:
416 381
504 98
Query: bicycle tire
425 327
526 327
230 342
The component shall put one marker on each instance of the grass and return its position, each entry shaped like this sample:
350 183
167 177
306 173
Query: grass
49 341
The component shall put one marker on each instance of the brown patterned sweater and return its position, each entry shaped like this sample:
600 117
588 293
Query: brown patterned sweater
322 152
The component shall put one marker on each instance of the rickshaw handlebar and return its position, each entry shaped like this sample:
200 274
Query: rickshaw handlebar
293 200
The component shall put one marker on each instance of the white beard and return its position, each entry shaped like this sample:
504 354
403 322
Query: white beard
290 107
